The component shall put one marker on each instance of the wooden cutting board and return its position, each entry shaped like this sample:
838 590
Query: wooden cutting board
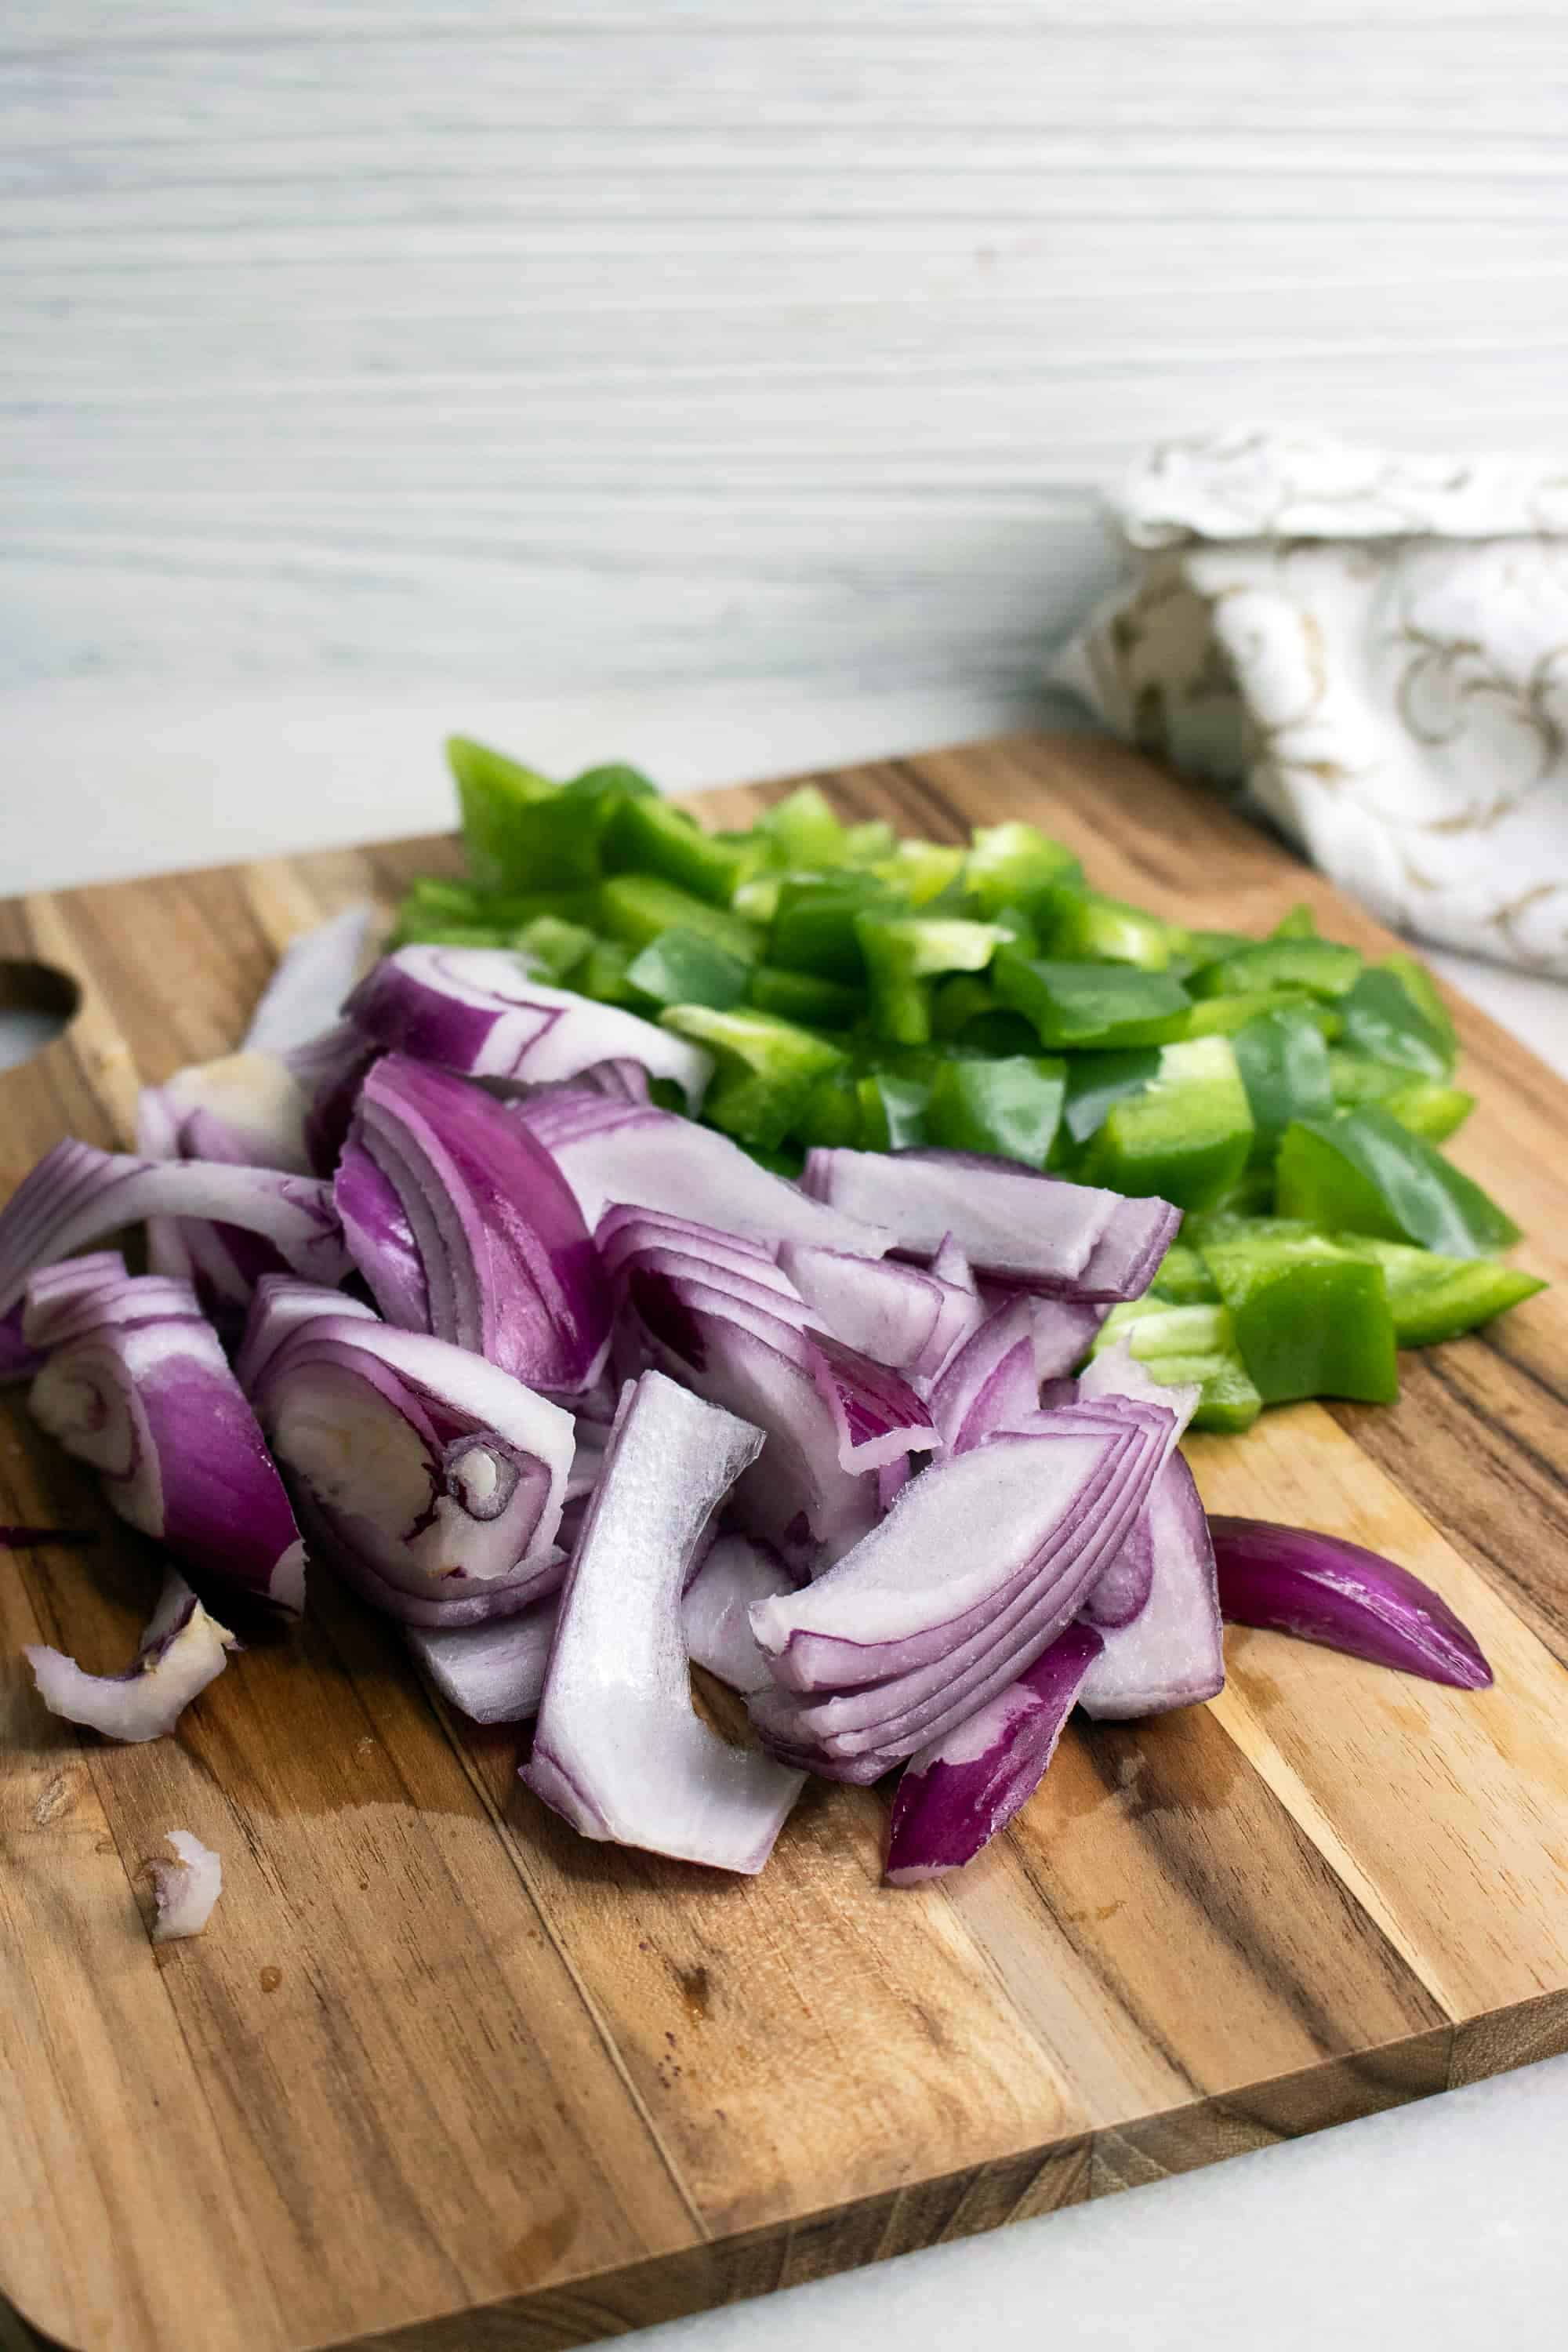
442 2075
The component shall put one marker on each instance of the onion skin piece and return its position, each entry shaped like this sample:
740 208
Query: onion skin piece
184 1891
182 1650
1322 1589
953 1797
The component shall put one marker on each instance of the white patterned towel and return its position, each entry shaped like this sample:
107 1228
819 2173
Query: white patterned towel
1372 650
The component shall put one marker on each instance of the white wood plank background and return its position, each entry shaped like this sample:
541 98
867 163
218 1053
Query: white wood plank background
349 342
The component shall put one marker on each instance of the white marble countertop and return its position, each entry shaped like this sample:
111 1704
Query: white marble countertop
1438 2226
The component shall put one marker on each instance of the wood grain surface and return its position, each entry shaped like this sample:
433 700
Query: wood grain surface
442 2077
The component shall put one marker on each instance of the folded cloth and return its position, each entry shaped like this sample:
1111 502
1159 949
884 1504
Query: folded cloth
1372 651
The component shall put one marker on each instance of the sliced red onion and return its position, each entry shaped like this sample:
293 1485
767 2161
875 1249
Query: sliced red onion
77 1194
186 1890
612 1152
625 1232
182 1650
885 1309
17 1361
379 1237
962 1540
493 1673
894 1716
990 1383
1116 1372
331 1070
1323 1589
879 1418
798 1497
1125 1587
137 1385
954 1796
716 1610
480 1012
1063 1329
893 1479
511 1272
618 1750
1009 1222
1169 1654
434 1481
959 1316
1126 1258
282 1302
246 1110
311 978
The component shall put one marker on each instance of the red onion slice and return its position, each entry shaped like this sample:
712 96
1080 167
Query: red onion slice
433 1480
311 978
245 1110
1169 1654
716 1611
77 1194
956 1795
511 1271
1009 1222
887 1310
990 1383
878 1417
185 1890
380 1239
613 1152
137 1385
478 1012
492 1673
182 1650
1322 1589
618 1750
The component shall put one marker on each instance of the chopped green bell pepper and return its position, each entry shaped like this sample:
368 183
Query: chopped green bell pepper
1420 1104
1320 966
831 1114
958 1001
684 967
873 838
654 837
764 1069
1284 1065
1434 1298
1383 1020
1185 1137
1424 994
1095 1081
555 948
1192 1343
636 907
1365 1173
904 953
1300 923
803 996
920 871
603 973
1098 1005
802 831
1011 864
1222 1016
1311 1318
1085 928
1184 1280
892 1110
1010 1108
812 927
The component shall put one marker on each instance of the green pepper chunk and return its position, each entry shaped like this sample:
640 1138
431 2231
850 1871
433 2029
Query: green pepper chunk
812 927
1095 1081
1383 1020
1099 1004
601 974
522 832
803 996
1010 1108
764 1069
434 931
1185 1137
1182 1344
1184 1280
1084 926
892 1109
1420 1104
873 838
654 837
956 1001
553 947
801 830
1311 1318
1365 1173
831 1114
1012 864
1434 1298
1222 1016
1300 923
904 953
1424 992
1320 966
636 907
684 967
920 871
1284 1065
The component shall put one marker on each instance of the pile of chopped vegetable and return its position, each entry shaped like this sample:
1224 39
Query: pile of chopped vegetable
794 1252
